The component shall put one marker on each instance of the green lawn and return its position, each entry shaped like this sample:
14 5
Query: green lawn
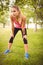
16 56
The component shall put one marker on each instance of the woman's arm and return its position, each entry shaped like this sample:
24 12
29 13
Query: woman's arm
12 24
23 23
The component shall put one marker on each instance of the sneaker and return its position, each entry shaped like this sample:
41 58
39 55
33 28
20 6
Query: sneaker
26 55
7 51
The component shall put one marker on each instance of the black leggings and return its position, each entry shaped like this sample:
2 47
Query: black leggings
15 32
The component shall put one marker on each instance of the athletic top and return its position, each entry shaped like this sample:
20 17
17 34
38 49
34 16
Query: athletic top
16 23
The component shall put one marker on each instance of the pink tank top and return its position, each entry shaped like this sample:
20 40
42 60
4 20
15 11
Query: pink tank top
17 24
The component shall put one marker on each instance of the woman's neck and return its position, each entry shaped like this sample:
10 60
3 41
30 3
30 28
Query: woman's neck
18 17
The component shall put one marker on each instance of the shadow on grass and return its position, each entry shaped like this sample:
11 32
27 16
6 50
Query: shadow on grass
17 59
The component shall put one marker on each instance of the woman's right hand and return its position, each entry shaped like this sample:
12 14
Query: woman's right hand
12 35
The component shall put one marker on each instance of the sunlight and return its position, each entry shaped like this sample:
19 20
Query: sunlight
12 2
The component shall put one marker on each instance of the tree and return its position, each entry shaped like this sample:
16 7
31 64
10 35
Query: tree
36 6
30 8
38 12
3 11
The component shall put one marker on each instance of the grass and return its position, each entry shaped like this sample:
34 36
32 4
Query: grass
16 56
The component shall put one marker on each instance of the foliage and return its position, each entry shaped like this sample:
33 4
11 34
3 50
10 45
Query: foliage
3 10
35 5
31 8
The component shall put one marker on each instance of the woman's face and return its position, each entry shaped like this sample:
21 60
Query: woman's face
14 11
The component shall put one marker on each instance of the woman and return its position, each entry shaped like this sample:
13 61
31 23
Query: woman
18 23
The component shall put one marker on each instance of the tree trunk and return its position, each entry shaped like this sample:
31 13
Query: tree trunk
35 27
3 25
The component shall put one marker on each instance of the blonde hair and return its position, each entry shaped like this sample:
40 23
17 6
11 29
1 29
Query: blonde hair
16 7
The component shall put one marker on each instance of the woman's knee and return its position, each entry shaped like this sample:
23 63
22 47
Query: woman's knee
11 38
25 39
